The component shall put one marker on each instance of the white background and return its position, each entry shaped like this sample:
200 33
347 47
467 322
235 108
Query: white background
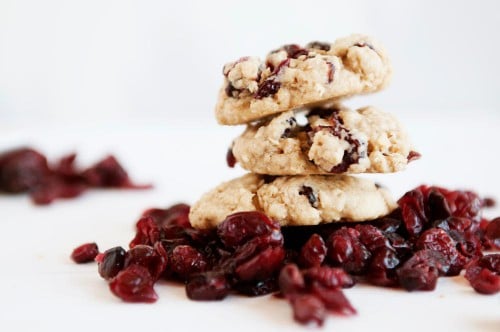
139 79
101 60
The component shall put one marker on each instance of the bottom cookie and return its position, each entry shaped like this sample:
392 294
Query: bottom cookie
294 200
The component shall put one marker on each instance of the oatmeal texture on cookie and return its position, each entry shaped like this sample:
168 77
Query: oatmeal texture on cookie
292 76
334 140
297 200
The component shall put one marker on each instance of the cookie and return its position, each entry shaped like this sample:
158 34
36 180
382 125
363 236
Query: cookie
294 200
334 140
292 77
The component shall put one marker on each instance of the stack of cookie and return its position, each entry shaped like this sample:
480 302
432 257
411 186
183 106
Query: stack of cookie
301 145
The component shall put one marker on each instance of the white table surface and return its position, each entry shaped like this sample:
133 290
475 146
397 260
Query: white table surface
42 289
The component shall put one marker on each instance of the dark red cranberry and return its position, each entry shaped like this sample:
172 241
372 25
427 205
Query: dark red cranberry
333 299
346 250
319 46
109 173
398 243
207 286
311 196
291 280
261 266
257 287
175 215
66 167
413 211
492 232
55 187
489 202
421 271
331 71
484 274
186 260
85 253
148 257
387 224
147 232
112 262
490 262
437 206
364 44
267 88
454 224
308 308
239 227
134 284
230 158
438 240
313 252
250 249
371 237
294 51
381 271
413 155
22 170
329 277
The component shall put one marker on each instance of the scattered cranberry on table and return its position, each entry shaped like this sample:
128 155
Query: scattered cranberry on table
25 170
433 233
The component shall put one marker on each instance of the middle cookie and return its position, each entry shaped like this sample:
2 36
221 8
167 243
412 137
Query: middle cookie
334 140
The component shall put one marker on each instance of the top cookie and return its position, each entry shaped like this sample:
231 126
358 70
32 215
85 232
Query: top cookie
292 77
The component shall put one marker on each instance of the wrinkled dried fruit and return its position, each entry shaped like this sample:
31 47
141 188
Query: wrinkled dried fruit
85 253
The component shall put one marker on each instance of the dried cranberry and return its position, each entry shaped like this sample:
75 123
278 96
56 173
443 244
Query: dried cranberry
492 232
329 277
421 271
230 158
207 286
267 88
134 284
186 260
257 287
311 196
381 271
364 44
109 173
489 202
85 253
331 71
490 262
291 280
308 308
175 215
22 170
438 240
240 227
147 232
346 250
112 262
372 237
437 206
313 252
261 266
148 257
294 51
484 274
319 46
413 155
54 187
333 299
413 211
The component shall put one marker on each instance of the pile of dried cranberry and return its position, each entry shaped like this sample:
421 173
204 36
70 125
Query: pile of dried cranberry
26 170
434 232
